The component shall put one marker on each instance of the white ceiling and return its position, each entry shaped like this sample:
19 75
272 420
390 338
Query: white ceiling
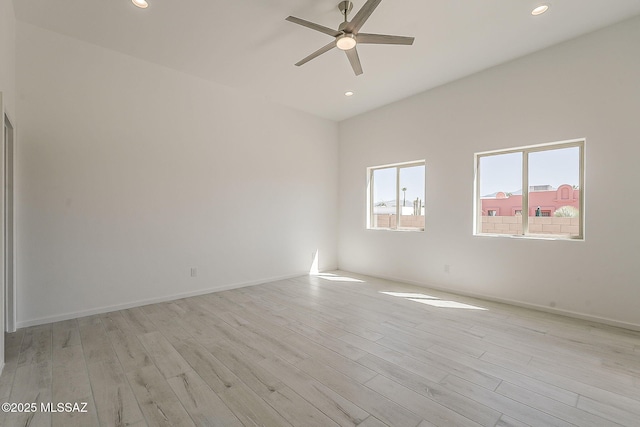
248 45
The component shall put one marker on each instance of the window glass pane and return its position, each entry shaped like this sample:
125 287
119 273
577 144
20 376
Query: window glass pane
384 198
501 193
412 197
554 193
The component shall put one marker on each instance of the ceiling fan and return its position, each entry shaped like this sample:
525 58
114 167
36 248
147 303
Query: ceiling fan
347 36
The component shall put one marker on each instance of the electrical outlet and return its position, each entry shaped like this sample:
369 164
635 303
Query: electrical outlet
194 272
446 268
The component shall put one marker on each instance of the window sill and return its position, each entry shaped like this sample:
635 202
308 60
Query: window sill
401 230
532 237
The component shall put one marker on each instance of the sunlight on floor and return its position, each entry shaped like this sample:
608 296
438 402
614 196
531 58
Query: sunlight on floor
336 278
446 304
314 271
432 301
408 295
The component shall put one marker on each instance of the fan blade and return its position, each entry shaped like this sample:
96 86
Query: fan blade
352 54
322 29
361 17
317 53
384 39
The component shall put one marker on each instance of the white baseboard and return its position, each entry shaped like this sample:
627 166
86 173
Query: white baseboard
567 313
147 301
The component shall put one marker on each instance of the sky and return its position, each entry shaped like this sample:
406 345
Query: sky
503 172
411 178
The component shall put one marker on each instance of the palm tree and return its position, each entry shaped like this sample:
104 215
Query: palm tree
404 200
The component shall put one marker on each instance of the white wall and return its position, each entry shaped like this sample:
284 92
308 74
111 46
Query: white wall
7 100
131 173
588 87
7 56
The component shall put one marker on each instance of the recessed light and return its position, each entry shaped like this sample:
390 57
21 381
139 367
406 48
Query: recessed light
142 4
540 10
348 93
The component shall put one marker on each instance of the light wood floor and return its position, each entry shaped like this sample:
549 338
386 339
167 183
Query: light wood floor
323 351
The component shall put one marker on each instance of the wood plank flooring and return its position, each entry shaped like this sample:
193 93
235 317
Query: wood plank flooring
332 350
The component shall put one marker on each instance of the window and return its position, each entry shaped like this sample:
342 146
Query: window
546 181
396 196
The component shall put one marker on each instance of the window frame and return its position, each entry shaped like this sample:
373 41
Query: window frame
526 150
370 188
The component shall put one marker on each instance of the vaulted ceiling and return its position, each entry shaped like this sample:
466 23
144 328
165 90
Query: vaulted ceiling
248 45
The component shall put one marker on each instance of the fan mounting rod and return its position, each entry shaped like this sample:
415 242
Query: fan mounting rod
345 7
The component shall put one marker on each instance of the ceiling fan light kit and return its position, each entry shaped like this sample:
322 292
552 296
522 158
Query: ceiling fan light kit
346 42
348 34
